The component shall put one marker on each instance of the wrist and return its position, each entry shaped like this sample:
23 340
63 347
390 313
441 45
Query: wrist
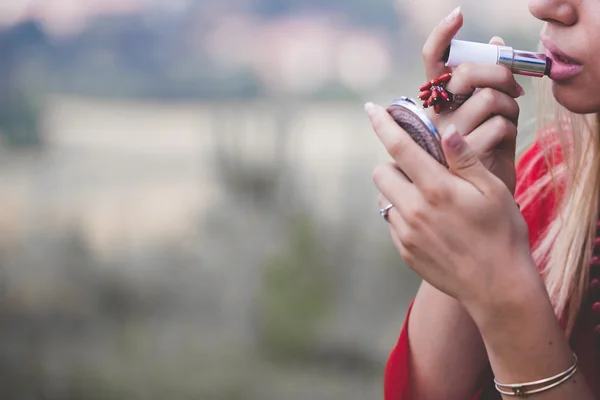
521 334
512 300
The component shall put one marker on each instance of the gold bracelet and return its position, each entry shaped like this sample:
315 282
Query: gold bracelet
523 389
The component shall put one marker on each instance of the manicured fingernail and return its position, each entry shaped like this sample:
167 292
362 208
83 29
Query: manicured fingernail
452 137
370 109
497 39
453 15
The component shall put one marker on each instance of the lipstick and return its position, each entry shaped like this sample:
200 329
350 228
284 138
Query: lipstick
519 62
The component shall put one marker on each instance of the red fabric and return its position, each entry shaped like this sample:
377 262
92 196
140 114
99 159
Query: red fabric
530 168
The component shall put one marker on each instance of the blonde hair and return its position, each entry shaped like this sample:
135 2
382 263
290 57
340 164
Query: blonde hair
571 150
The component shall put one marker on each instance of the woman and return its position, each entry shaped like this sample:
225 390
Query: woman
509 300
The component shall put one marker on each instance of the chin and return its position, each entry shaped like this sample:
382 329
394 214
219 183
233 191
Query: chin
574 100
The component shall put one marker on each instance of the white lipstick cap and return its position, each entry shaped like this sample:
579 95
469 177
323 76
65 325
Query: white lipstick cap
462 51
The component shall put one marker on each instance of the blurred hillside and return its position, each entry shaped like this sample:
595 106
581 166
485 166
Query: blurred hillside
236 49
232 49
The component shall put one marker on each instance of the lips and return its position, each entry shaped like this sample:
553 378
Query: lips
563 65
564 60
558 54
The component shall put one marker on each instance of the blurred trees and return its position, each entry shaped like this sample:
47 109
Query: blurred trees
375 13
18 107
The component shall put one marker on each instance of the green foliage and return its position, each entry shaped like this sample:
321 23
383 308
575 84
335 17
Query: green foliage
140 377
19 124
52 313
295 294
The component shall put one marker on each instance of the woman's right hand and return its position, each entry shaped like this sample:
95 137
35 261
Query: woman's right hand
440 328
489 118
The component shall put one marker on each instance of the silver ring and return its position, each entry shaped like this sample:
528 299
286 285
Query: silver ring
384 211
457 99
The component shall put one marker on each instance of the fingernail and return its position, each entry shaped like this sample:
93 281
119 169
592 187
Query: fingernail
497 39
453 15
520 90
370 109
453 138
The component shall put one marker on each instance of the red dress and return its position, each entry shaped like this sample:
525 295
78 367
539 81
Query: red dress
586 337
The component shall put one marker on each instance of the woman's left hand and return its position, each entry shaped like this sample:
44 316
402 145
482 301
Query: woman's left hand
458 228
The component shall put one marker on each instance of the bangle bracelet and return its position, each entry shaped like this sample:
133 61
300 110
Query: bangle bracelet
525 389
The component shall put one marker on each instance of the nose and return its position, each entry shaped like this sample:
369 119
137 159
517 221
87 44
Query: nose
562 12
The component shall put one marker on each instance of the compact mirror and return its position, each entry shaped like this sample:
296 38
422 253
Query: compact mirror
415 121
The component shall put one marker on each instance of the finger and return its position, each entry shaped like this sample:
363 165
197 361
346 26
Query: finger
485 104
396 231
497 40
463 161
419 167
469 76
436 45
396 226
395 188
383 201
392 212
493 133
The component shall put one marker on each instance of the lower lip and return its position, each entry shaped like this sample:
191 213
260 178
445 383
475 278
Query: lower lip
559 71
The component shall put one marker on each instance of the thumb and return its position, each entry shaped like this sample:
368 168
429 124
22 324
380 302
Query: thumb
462 160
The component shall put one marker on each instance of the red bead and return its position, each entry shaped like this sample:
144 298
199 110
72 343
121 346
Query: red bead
435 94
445 78
435 81
444 94
594 269
596 243
425 86
596 309
595 286
437 108
425 94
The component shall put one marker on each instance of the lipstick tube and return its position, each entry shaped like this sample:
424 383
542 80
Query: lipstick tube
517 61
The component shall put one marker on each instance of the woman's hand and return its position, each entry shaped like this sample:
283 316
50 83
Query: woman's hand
458 228
488 119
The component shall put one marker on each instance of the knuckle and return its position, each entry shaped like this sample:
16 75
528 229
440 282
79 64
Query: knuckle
415 217
436 194
488 97
516 110
379 173
464 70
408 238
396 148
506 75
427 52
504 125
500 123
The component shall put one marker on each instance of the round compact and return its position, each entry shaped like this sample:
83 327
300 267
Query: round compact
417 124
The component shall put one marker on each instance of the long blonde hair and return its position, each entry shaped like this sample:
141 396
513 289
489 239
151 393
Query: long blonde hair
564 250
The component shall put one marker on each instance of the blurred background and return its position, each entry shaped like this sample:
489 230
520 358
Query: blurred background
186 203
